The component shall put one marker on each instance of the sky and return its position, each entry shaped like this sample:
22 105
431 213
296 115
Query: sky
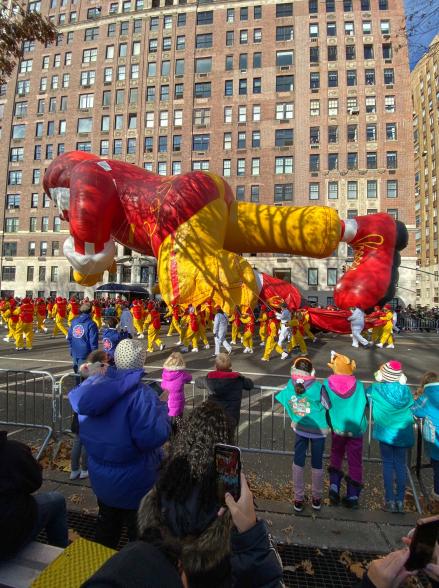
422 26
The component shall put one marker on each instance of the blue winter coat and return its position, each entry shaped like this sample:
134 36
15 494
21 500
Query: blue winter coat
122 424
392 417
110 338
427 407
83 336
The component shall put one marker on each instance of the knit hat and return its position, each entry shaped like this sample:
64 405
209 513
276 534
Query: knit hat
129 355
391 372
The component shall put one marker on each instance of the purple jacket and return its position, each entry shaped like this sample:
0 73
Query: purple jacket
174 381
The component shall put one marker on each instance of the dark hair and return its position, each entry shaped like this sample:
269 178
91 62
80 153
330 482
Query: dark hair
112 322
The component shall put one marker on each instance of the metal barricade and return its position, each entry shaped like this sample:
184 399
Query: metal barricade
28 406
417 324
64 411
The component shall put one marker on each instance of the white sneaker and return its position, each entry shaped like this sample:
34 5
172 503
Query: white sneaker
179 342
250 350
233 343
184 349
75 474
45 330
162 346
19 349
380 345
207 346
284 355
315 340
246 350
195 350
356 346
6 339
262 343
141 336
83 475
264 359
391 346
168 335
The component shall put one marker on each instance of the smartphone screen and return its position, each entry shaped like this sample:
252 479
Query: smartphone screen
228 471
423 544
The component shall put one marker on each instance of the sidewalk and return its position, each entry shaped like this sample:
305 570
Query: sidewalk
333 528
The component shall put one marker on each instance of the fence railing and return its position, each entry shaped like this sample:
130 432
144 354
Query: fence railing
36 403
409 323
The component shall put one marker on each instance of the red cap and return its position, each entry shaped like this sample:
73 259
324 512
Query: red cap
150 305
271 314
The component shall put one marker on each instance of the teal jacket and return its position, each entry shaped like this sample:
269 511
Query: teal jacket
392 415
427 408
345 399
305 410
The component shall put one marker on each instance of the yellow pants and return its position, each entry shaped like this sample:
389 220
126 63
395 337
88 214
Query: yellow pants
97 321
247 339
202 334
40 322
70 318
12 327
387 335
297 340
271 345
376 334
26 330
308 332
138 325
263 332
153 338
174 326
59 326
235 333
190 337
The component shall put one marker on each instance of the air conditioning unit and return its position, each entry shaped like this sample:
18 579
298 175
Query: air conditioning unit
203 75
284 67
353 111
389 86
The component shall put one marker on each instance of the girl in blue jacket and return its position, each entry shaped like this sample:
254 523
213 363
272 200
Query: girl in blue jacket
393 428
427 408
301 399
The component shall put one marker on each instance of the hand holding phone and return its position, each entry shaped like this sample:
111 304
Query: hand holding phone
423 543
228 471
243 511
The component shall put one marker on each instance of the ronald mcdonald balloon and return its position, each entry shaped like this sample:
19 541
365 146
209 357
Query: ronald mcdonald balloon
197 231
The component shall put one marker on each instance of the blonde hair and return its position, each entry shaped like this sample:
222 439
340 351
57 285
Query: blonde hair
175 361
427 378
223 363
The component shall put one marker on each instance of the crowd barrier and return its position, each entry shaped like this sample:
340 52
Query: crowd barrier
409 323
36 402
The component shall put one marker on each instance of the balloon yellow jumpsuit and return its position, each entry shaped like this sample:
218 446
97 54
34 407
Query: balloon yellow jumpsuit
297 336
387 333
270 342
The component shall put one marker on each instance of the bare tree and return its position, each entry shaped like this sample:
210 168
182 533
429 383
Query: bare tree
18 24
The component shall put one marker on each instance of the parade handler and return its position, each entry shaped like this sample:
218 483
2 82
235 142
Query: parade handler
195 228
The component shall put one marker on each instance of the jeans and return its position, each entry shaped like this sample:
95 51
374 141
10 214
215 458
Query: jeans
394 466
109 525
317 449
435 464
78 454
52 517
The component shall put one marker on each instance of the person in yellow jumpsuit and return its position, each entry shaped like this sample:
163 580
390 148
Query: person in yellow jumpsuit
262 320
236 323
96 313
4 307
248 320
152 322
174 312
72 309
119 307
138 318
270 341
191 334
12 320
201 316
307 325
297 331
25 325
59 313
40 314
377 330
387 332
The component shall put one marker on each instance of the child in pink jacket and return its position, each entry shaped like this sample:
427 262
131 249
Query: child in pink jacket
174 377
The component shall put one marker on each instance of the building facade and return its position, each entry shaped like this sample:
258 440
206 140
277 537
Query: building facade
425 92
295 103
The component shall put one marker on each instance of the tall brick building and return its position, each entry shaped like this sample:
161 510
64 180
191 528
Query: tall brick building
425 90
303 102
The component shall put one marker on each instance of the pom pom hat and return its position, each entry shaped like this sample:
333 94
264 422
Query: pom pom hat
391 372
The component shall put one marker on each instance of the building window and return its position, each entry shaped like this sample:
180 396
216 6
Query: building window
333 134
284 165
240 193
11 225
369 77
371 160
256 166
393 212
30 273
332 190
389 103
352 160
254 193
54 273
201 142
8 273
313 276
314 108
203 90
333 107
227 167
392 188
332 161
389 76
203 41
230 38
372 189
284 83
283 192
240 167
283 137
205 18
370 104
352 190
392 159
331 276
314 191
391 132
284 111
314 163
256 139
283 10
351 77
284 33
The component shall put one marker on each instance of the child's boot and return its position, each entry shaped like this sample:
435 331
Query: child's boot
299 487
317 488
352 494
335 478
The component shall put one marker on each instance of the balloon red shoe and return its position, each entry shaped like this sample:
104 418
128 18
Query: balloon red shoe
373 275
